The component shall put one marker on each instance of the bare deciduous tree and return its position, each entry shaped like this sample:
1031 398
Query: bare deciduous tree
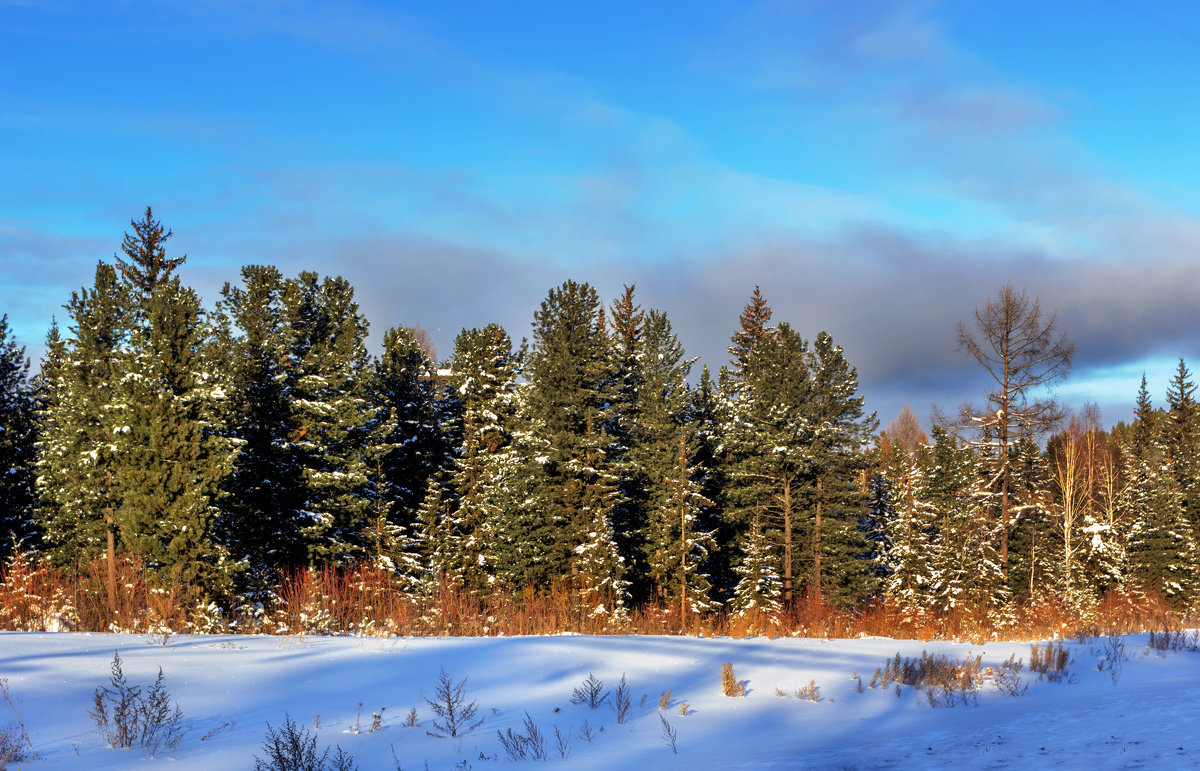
905 432
1023 352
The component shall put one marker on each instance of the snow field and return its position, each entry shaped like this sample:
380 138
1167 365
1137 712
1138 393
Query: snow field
1146 717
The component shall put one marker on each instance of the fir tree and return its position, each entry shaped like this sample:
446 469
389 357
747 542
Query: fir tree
148 266
758 587
1163 546
1182 440
411 433
909 529
769 440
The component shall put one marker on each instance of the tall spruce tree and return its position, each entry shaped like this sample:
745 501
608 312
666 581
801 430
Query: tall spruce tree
769 439
172 458
262 506
1182 439
82 412
485 378
840 431
331 418
411 435
17 442
571 389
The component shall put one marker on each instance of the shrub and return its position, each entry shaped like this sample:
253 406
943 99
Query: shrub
622 701
125 716
530 744
453 716
293 748
591 692
1050 663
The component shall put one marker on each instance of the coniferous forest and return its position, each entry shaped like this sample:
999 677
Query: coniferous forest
203 467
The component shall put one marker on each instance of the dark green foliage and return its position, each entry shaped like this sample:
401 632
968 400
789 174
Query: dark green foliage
147 267
173 459
79 417
330 415
17 442
571 388
485 371
411 437
262 506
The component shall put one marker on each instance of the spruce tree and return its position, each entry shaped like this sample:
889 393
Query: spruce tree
485 381
80 417
1182 440
17 442
840 430
173 460
965 568
330 416
769 441
570 393
758 587
1163 547
262 504
909 528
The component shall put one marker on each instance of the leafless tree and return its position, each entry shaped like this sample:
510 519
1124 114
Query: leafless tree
1023 352
905 432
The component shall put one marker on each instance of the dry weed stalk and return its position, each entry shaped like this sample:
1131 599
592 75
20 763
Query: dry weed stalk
730 685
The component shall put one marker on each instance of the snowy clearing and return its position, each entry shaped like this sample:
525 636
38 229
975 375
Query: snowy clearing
1085 720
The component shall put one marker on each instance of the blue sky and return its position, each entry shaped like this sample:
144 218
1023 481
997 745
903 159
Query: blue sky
880 168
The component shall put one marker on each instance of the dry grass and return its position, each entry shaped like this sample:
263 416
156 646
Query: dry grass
35 596
730 685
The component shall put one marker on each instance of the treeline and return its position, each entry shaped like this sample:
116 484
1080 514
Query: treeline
226 447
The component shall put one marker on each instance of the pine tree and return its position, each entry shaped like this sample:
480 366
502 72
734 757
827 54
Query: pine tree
1163 545
769 439
148 266
1182 440
909 529
965 567
171 456
17 442
411 433
752 329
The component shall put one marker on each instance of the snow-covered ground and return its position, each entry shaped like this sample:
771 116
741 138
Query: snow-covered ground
230 688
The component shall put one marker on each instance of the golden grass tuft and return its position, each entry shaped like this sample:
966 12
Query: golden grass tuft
730 685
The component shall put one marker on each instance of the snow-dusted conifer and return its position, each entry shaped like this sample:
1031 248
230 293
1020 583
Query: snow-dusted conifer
79 417
758 587
17 442
330 414
262 504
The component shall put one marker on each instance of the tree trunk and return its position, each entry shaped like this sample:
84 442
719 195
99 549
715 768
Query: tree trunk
111 528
